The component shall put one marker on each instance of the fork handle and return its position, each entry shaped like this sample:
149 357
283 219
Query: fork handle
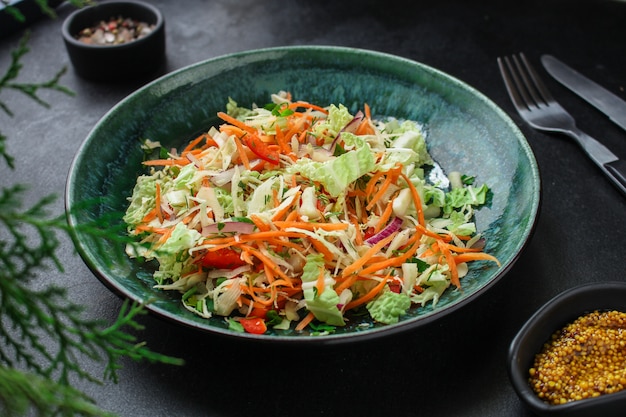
616 171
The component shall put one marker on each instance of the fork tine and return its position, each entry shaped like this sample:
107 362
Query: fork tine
546 97
544 113
523 83
511 82
526 84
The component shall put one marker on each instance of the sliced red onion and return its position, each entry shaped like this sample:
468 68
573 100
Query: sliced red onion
321 155
350 128
223 177
315 153
344 298
392 227
479 243
194 160
228 227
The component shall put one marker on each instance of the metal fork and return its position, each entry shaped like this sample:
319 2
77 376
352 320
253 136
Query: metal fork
536 106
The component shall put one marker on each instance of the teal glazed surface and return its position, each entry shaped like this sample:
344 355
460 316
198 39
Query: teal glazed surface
465 132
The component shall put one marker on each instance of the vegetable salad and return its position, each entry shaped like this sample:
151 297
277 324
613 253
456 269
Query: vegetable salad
292 215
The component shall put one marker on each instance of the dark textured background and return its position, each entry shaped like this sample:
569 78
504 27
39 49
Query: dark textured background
454 367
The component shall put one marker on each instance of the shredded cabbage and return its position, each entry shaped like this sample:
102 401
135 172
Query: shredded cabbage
339 214
389 306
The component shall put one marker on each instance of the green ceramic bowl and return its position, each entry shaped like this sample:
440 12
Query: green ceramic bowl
465 132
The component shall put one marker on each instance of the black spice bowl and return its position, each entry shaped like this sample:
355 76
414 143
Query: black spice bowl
554 315
120 61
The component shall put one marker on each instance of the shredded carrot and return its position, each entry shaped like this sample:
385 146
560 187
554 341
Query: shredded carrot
391 177
280 139
165 235
364 128
384 218
283 212
295 130
358 238
231 130
250 237
311 226
368 296
351 269
193 144
267 261
417 201
381 191
275 197
247 258
151 215
279 243
346 283
480 256
305 104
242 152
458 249
454 273
167 162
145 228
321 281
369 189
209 142
259 223
322 249
268 273
252 292
236 122
293 216
269 234
427 232
396 261
368 111
188 218
157 202
286 283
305 322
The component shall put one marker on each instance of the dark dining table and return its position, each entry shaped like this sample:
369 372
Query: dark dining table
454 366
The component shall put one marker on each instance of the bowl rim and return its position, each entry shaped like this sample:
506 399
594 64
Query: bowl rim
556 306
344 337
70 39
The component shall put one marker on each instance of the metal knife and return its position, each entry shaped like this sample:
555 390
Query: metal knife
605 101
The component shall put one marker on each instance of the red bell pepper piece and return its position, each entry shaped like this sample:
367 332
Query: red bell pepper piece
224 258
254 325
260 148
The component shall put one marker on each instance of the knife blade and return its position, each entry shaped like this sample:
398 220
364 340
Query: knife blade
599 97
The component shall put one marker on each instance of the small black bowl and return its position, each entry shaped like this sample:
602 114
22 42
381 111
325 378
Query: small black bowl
554 315
119 62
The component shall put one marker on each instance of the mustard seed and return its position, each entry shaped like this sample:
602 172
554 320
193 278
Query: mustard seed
585 359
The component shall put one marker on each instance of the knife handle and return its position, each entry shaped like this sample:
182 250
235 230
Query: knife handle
616 171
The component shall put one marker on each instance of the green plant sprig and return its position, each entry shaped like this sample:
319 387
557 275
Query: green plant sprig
42 331
27 316
22 392
32 90
29 89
